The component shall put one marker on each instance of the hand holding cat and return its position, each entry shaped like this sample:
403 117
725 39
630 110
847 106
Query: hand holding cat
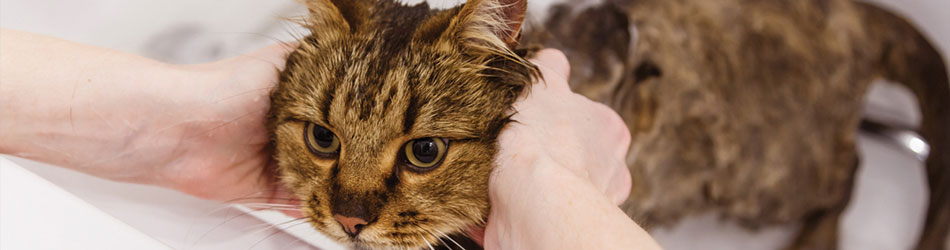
586 138
194 128
560 173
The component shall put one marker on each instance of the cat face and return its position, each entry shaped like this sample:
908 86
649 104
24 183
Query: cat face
385 118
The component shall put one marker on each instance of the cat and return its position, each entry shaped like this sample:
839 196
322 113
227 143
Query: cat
385 119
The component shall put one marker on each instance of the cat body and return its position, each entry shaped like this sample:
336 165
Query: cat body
749 108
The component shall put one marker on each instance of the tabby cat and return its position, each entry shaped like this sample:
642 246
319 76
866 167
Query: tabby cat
386 117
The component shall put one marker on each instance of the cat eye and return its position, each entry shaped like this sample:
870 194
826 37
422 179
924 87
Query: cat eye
425 153
320 140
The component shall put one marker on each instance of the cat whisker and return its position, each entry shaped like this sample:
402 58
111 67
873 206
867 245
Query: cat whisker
262 240
439 238
253 34
296 34
270 226
226 123
242 93
223 207
275 209
276 231
231 218
219 224
262 199
268 205
272 206
285 246
258 205
428 244
450 239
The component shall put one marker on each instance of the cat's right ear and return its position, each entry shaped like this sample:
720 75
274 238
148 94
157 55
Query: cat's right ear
336 17
488 25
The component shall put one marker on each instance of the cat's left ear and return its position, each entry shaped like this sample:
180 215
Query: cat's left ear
337 16
489 24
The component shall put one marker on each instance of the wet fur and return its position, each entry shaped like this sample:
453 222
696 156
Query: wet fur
750 108
745 107
379 74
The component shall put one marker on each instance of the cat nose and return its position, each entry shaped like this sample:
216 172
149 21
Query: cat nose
351 225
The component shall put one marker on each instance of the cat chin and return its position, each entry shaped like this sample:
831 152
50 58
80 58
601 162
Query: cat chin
373 246
358 244
362 247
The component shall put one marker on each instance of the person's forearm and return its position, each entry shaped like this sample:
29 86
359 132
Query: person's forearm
84 107
584 217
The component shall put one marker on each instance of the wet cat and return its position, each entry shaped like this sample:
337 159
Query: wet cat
385 119
751 108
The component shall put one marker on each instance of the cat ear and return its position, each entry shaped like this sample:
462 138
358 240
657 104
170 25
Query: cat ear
490 24
337 15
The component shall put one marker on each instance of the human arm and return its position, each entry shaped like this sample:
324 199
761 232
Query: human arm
194 128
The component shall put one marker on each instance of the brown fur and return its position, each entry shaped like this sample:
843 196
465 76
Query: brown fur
379 74
750 108
744 107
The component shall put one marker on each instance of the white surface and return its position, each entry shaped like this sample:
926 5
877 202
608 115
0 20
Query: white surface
174 219
885 214
305 234
204 29
39 215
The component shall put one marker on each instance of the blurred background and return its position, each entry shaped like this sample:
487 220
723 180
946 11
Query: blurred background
886 213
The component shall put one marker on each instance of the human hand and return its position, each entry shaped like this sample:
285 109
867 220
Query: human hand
587 138
555 128
223 151
195 128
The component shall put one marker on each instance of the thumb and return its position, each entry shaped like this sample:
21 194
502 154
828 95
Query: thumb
554 66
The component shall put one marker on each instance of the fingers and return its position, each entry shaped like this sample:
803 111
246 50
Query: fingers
553 60
554 68
617 129
620 184
587 120
554 71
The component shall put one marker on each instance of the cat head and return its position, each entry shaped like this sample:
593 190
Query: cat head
386 117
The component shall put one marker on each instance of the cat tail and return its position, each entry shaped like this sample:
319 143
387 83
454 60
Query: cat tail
907 57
